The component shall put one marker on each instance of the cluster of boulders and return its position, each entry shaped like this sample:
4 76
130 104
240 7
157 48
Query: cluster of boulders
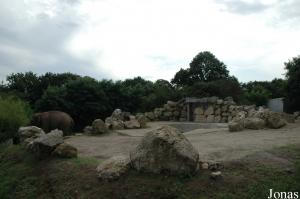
258 119
43 145
117 121
163 150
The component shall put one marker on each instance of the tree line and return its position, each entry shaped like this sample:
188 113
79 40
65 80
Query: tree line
86 98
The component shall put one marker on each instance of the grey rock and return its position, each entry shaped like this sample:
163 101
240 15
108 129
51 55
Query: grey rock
113 168
65 150
254 123
29 132
220 101
216 175
99 127
209 110
88 130
142 121
165 149
275 120
150 115
198 111
132 124
43 146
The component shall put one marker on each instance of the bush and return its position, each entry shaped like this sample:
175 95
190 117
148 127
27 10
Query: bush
13 114
257 95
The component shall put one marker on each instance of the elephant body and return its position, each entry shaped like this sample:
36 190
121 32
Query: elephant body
51 120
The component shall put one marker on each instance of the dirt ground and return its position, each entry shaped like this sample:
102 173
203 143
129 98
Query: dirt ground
213 141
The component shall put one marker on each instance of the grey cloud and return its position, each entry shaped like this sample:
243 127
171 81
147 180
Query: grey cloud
289 10
38 43
242 7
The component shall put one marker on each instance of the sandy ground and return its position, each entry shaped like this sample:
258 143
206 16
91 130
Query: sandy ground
213 141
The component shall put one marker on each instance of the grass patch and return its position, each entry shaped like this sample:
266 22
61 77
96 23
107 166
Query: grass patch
23 177
87 161
16 173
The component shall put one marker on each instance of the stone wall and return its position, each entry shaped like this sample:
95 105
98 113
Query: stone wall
215 110
209 109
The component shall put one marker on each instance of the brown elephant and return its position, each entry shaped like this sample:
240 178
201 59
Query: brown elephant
53 120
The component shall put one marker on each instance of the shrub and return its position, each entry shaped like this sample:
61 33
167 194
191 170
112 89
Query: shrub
257 95
13 114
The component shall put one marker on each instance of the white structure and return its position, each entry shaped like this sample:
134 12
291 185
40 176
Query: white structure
276 104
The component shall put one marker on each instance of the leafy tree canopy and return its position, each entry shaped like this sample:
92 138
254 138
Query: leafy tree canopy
293 84
205 67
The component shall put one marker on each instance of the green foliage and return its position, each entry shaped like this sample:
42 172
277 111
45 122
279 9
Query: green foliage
25 85
16 167
13 114
30 87
257 95
221 88
205 67
83 98
293 84
276 87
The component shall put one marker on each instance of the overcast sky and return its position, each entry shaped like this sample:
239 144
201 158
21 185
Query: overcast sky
118 39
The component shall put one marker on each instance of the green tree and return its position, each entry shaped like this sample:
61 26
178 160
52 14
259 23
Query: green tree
293 84
205 67
25 85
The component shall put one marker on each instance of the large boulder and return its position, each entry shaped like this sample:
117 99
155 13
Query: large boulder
65 150
235 126
165 149
29 133
113 168
132 124
254 123
114 124
99 127
142 120
44 145
117 114
150 115
275 120
290 118
88 130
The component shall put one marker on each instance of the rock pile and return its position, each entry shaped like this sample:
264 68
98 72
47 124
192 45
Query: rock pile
43 145
124 120
263 118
